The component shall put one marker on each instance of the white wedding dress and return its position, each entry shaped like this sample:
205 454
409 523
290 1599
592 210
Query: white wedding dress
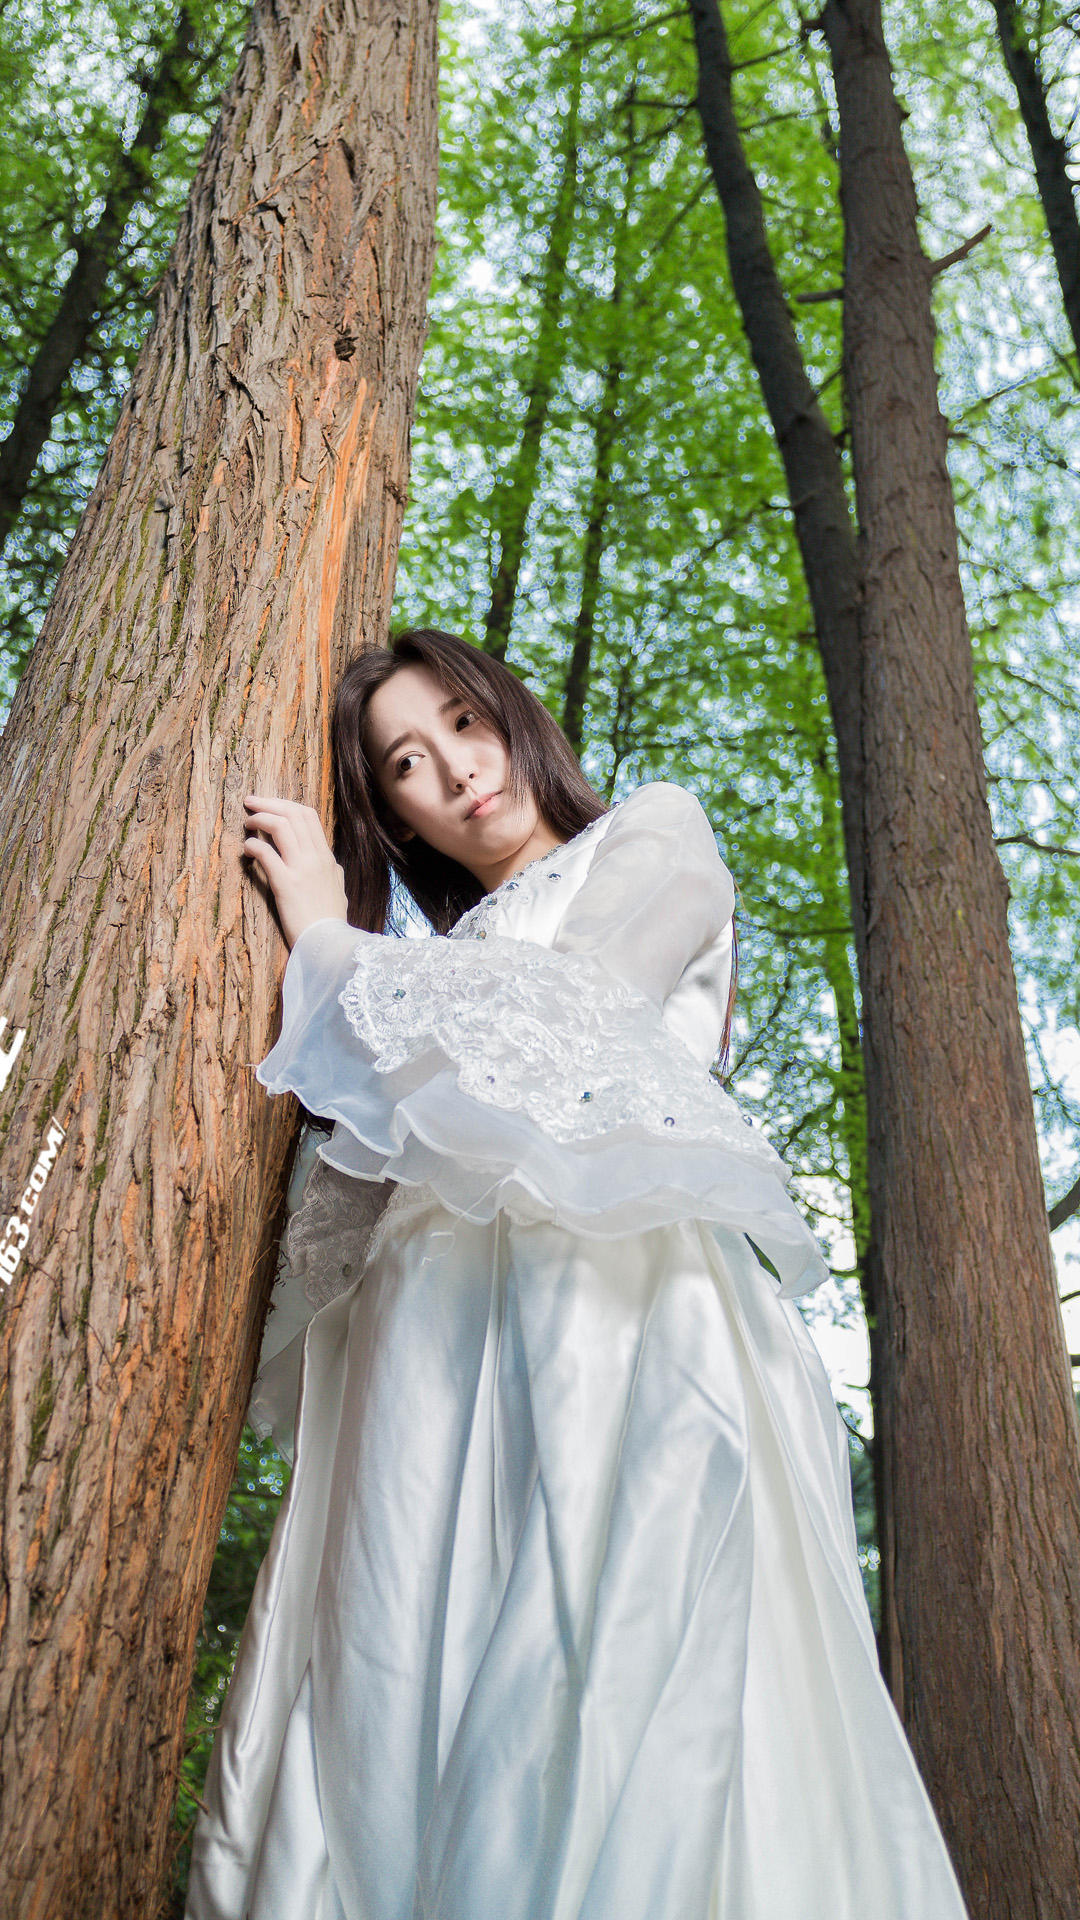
562 1616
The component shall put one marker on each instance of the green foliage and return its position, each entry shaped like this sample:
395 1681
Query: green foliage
704 667
72 83
252 1508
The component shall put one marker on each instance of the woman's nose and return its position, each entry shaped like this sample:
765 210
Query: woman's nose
460 769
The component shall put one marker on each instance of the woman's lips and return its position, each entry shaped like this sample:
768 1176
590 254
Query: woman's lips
482 807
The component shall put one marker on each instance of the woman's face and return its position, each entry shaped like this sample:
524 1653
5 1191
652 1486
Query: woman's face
445 773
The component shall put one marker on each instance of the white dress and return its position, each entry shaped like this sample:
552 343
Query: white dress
561 1617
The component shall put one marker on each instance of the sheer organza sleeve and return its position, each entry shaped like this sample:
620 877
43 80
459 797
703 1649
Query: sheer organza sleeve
656 893
504 1074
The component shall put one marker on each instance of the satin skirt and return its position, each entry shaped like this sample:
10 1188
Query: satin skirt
562 1616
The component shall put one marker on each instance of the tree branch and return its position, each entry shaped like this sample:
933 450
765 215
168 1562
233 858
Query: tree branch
1049 153
1064 1210
1037 846
935 266
761 59
961 252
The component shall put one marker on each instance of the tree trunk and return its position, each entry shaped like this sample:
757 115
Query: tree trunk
515 489
827 546
602 495
238 548
980 1432
95 257
576 689
815 476
1051 157
851 1086
836 959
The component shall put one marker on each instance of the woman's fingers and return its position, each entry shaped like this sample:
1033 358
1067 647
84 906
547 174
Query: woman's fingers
303 822
296 860
267 857
276 824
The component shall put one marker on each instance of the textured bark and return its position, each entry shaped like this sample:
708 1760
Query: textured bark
980 1430
516 487
1051 157
239 546
168 93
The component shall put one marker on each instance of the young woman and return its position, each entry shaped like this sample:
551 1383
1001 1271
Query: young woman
562 1616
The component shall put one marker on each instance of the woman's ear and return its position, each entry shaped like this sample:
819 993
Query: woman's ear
400 831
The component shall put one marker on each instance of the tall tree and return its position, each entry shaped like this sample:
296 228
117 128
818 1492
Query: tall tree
240 543
826 536
605 440
804 438
698 653
1050 154
168 91
981 1437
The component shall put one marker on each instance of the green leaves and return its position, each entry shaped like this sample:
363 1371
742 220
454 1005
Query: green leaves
702 664
245 1536
73 87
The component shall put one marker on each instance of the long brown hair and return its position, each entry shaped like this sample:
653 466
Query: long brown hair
366 842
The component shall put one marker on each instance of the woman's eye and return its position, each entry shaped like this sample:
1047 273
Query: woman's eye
464 719
403 763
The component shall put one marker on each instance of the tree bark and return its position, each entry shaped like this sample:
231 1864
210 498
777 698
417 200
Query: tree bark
515 489
1051 157
95 257
980 1432
240 544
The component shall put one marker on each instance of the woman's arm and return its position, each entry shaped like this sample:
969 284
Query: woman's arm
656 894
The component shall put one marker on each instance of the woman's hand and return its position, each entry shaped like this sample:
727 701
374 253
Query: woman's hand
307 883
